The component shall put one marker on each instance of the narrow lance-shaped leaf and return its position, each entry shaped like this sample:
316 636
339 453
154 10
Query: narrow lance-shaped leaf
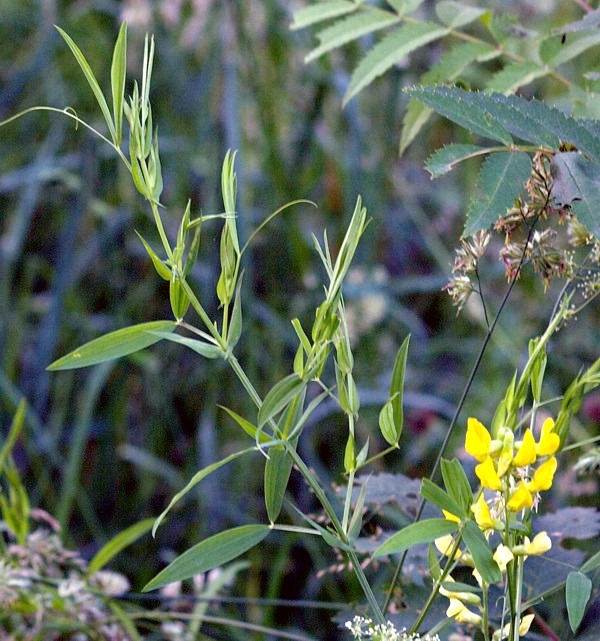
128 536
500 182
391 418
480 550
457 483
349 29
435 495
390 50
207 350
117 77
209 554
203 473
321 11
13 434
416 533
279 396
91 78
278 468
578 592
246 425
114 345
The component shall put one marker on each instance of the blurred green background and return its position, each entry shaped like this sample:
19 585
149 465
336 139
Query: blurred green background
108 446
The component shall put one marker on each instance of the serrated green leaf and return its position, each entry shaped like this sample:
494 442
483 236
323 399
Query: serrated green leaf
576 182
321 11
445 159
458 105
351 28
391 50
500 181
414 534
480 550
201 474
91 78
555 52
578 591
456 14
435 495
114 345
279 396
200 347
209 554
117 76
516 75
128 536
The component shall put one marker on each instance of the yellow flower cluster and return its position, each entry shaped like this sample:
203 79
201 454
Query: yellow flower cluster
502 462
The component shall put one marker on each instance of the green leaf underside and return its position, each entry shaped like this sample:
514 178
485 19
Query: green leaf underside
482 554
577 184
391 50
279 396
107 552
514 76
114 345
499 183
203 473
578 592
209 554
200 347
529 120
351 28
321 11
449 67
415 534
444 159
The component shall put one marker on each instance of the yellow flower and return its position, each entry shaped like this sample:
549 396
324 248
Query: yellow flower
541 543
520 499
451 517
486 472
549 441
465 597
461 613
478 440
523 628
503 556
543 476
483 516
444 545
527 452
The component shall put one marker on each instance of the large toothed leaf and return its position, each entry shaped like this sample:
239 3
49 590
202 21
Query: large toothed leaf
351 28
446 158
500 182
114 345
321 11
513 76
577 184
416 533
209 554
390 51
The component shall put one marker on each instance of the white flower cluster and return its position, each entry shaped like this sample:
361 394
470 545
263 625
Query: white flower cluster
360 627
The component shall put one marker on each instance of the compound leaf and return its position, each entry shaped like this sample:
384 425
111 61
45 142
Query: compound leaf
321 11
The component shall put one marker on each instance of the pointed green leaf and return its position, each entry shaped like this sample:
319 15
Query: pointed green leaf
516 75
555 52
593 563
329 537
128 536
446 158
321 11
577 592
279 396
481 552
500 182
457 483
235 326
391 417
435 495
15 430
247 426
386 423
114 345
117 76
391 50
200 347
416 533
351 28
278 468
577 184
456 105
203 473
91 78
456 14
357 516
162 270
209 554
